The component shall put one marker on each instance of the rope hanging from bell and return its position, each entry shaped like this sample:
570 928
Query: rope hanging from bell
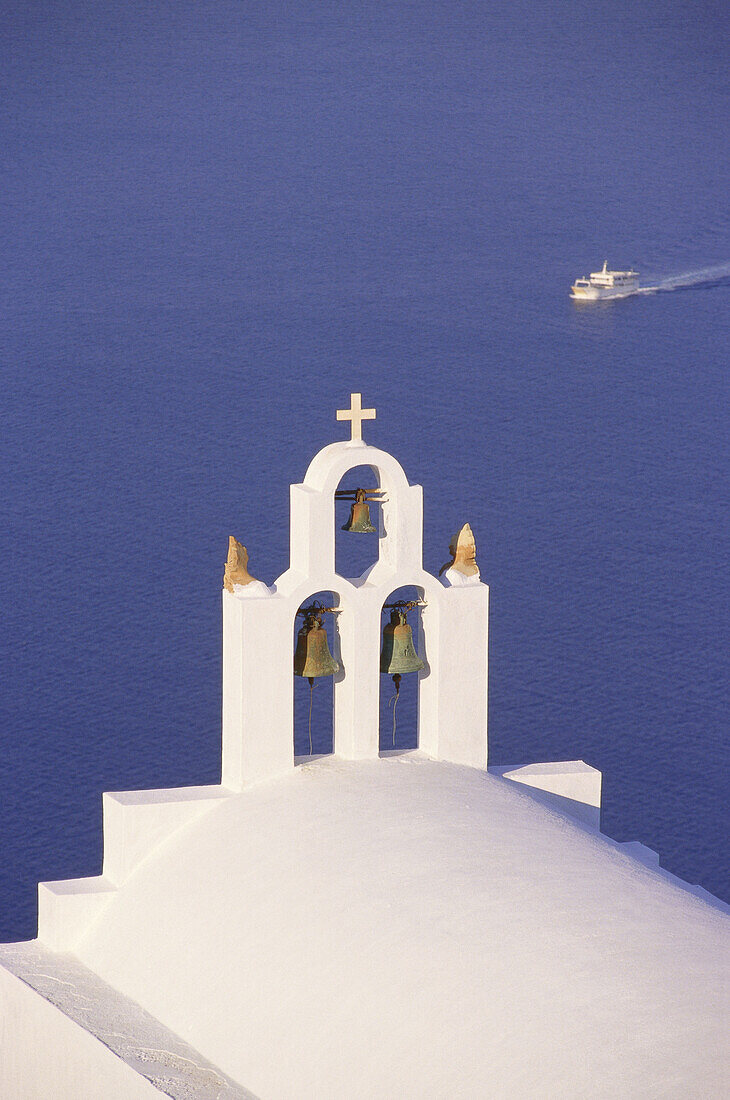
309 724
394 700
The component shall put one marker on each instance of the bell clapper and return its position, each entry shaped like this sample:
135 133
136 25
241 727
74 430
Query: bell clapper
394 700
311 689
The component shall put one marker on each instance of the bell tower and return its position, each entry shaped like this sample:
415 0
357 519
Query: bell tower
258 626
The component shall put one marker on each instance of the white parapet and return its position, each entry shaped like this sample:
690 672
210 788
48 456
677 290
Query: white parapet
571 786
67 1035
135 822
67 908
641 852
48 1056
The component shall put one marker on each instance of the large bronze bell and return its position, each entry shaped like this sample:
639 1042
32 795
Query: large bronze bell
312 656
399 654
359 521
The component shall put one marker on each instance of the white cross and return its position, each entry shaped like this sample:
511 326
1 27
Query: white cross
356 413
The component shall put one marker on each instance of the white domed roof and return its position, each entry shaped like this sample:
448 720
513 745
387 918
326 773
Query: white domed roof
401 927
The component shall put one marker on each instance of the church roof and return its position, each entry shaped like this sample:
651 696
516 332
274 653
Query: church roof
404 927
368 924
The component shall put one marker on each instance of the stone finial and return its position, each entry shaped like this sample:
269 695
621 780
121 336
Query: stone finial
236 565
463 553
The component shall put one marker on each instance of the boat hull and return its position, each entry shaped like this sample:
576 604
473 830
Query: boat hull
593 293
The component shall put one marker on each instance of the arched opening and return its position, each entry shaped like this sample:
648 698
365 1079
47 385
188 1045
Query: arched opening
400 671
357 549
314 694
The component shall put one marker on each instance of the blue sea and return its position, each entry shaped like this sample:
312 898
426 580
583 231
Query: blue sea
220 218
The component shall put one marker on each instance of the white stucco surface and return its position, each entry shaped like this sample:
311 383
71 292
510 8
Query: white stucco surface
67 1035
44 1055
456 579
402 927
253 590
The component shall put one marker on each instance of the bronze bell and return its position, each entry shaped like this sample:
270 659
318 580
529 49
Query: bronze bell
399 654
359 521
312 656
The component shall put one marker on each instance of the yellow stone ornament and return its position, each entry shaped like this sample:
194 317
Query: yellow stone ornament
463 550
236 569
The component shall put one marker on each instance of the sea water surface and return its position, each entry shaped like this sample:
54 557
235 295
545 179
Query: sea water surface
218 219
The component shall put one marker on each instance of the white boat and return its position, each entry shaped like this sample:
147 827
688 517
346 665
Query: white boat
606 284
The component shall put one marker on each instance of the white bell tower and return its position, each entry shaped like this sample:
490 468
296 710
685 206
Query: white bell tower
258 630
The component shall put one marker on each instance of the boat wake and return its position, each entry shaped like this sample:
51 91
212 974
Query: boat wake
703 276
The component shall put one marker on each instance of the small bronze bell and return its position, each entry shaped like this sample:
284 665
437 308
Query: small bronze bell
359 521
312 656
399 654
